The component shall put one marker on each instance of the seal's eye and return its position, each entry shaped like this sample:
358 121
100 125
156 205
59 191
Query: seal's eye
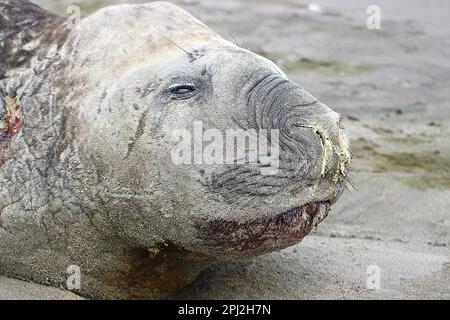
182 91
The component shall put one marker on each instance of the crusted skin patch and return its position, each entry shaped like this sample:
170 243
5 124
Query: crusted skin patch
11 123
285 229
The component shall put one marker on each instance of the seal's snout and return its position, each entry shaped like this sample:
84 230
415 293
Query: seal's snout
335 156
313 141
326 152
314 156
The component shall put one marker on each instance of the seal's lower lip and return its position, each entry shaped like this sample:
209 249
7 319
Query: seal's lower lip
269 234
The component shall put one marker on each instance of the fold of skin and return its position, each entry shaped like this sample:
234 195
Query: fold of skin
88 177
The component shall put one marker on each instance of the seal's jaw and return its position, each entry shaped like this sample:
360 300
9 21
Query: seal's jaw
234 238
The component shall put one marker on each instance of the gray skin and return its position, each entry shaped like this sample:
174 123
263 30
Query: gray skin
87 113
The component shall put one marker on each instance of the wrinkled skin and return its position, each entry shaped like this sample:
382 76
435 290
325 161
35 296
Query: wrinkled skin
87 178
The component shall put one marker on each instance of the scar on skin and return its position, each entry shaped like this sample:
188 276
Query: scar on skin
10 124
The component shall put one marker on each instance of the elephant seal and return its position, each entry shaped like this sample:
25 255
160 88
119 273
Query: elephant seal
88 178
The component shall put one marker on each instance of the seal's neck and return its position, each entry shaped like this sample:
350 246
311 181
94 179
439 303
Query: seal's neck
25 28
31 118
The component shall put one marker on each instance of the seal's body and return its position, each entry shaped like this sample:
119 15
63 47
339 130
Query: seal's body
88 181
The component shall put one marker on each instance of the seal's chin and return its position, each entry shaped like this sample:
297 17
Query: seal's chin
268 234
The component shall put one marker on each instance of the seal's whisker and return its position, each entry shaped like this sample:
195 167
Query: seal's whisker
236 201
279 193
181 48
234 39
352 183
242 197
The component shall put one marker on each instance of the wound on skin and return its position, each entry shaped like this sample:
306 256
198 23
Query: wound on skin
247 236
10 125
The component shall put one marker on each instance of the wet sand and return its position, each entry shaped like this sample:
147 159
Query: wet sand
392 85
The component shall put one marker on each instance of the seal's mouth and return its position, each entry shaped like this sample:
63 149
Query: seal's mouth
268 234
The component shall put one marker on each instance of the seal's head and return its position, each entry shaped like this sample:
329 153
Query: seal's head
168 106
